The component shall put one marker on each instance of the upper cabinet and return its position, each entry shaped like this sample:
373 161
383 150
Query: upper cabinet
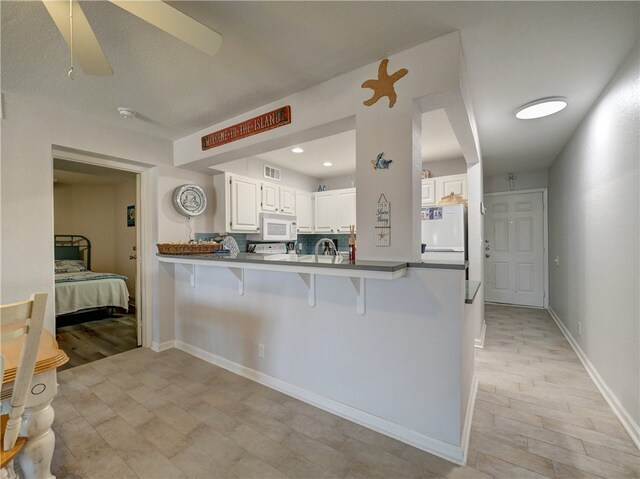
287 200
433 189
456 184
240 200
334 210
237 203
429 191
304 211
323 212
344 205
278 199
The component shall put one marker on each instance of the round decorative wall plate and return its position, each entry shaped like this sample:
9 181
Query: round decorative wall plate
189 200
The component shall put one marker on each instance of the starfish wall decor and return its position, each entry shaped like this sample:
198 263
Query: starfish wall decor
383 86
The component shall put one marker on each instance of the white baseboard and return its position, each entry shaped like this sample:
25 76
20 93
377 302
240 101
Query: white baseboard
468 419
445 450
159 347
614 403
479 342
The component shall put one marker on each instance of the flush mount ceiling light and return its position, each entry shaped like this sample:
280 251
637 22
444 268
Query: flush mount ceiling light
542 107
126 113
327 164
297 149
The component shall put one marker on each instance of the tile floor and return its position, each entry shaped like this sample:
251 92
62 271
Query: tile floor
169 415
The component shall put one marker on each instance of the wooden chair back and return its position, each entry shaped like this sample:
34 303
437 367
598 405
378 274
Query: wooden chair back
16 320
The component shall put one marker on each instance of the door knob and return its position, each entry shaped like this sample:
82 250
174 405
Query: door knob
487 255
133 256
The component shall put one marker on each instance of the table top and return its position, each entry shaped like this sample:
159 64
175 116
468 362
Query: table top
49 355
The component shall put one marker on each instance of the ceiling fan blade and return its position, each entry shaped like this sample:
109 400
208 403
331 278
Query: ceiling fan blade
86 48
175 23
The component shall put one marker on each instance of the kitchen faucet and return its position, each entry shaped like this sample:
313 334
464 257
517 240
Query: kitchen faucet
332 246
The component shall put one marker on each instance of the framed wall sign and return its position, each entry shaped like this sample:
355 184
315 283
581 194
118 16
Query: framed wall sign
383 222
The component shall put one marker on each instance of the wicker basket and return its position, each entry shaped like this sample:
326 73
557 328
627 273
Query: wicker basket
188 248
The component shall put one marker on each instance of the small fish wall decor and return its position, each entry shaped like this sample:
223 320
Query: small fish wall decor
381 163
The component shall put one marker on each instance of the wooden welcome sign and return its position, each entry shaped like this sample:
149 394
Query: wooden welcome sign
264 122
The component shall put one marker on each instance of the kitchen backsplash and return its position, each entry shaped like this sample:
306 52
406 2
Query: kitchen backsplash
307 242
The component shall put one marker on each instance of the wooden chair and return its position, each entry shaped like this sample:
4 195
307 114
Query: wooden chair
16 320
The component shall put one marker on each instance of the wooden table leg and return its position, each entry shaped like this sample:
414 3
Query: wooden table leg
35 458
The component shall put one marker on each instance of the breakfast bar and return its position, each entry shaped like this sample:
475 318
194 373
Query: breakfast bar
397 363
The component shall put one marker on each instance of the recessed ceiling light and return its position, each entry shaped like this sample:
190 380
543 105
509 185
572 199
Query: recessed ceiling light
327 163
297 149
541 107
126 113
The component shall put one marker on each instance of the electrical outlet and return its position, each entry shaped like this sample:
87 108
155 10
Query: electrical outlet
579 328
557 261
261 350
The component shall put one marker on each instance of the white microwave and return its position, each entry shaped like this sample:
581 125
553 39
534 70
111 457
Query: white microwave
275 227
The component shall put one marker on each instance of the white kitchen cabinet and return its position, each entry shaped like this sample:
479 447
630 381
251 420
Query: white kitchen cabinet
270 197
287 200
344 206
334 210
433 189
304 211
278 199
428 191
323 212
236 204
456 184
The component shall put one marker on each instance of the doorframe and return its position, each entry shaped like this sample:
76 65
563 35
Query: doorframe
144 231
545 235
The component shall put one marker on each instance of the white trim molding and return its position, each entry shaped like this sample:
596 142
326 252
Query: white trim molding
468 419
632 427
145 249
450 452
159 347
479 342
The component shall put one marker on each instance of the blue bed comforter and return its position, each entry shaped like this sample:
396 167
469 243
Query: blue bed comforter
86 276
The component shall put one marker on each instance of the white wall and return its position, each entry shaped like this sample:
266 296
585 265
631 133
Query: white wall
124 236
435 80
29 131
254 168
457 166
401 362
338 182
524 180
88 210
593 224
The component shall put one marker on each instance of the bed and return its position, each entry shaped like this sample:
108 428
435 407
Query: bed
77 287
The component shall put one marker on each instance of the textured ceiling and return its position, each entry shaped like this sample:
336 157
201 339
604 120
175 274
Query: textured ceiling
515 52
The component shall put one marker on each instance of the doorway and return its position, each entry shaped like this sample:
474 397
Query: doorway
515 249
97 281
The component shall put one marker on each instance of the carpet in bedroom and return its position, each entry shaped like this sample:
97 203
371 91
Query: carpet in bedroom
93 340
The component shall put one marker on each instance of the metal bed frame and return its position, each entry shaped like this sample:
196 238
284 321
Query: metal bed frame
73 247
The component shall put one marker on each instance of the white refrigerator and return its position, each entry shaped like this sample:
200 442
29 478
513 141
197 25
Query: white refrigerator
444 232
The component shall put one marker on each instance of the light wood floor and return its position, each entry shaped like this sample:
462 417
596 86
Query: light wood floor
93 340
169 415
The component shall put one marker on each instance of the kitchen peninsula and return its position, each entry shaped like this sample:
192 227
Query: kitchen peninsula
387 341
377 342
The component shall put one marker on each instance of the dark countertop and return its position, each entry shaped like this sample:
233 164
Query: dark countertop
295 260
440 264
470 290
324 262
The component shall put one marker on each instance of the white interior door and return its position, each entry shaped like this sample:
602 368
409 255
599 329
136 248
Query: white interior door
135 256
514 249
